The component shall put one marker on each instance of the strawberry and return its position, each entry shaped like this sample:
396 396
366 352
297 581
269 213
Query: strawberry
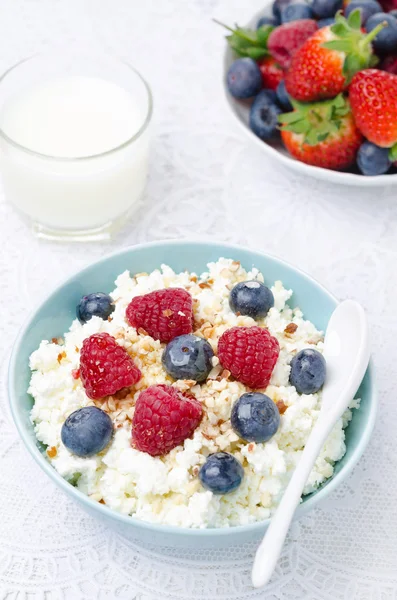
322 134
323 67
285 40
373 96
272 73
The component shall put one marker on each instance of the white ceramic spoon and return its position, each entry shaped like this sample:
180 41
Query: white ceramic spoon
346 351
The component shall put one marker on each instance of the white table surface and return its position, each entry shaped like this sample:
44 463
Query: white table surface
206 181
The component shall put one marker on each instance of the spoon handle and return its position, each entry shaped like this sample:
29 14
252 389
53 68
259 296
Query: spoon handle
269 551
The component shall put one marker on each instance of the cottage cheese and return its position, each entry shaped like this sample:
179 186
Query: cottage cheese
167 489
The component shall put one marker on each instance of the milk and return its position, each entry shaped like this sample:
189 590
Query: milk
71 162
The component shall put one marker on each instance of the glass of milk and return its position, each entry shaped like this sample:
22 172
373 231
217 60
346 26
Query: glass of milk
74 142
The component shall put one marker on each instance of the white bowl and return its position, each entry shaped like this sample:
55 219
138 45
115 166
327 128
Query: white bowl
275 149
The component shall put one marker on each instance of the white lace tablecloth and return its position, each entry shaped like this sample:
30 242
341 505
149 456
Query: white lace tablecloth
206 181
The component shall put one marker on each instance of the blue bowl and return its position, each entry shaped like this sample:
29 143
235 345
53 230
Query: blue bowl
55 315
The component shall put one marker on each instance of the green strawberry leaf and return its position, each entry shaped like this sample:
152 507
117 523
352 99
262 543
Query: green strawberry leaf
393 153
322 137
354 19
352 64
299 127
311 138
263 34
291 117
340 29
256 53
373 61
339 45
318 120
247 42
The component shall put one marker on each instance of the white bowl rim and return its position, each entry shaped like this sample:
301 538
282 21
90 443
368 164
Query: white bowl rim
128 520
338 177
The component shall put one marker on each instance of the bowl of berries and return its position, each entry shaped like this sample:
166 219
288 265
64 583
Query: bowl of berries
314 85
170 388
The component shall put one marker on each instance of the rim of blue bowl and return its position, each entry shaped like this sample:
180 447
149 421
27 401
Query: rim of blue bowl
128 520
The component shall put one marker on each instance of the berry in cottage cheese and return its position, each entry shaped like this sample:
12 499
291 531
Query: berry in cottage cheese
308 371
166 488
94 305
188 357
163 419
87 431
221 473
251 298
255 417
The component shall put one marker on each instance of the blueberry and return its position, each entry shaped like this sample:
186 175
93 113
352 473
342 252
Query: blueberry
94 305
221 473
325 22
268 21
244 78
367 8
307 371
296 12
255 417
251 298
386 40
188 357
373 160
271 94
277 7
263 117
323 9
283 98
87 431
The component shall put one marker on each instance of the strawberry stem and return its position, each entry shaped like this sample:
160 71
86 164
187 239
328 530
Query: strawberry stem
372 34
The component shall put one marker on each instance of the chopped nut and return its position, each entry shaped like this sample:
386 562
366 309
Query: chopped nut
54 340
210 281
110 319
142 331
52 452
291 328
235 265
224 375
102 501
76 349
204 285
282 407
207 437
193 278
61 355
195 470
168 312
251 447
184 384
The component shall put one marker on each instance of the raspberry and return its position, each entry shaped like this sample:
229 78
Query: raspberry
250 354
164 314
163 419
106 367
285 40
